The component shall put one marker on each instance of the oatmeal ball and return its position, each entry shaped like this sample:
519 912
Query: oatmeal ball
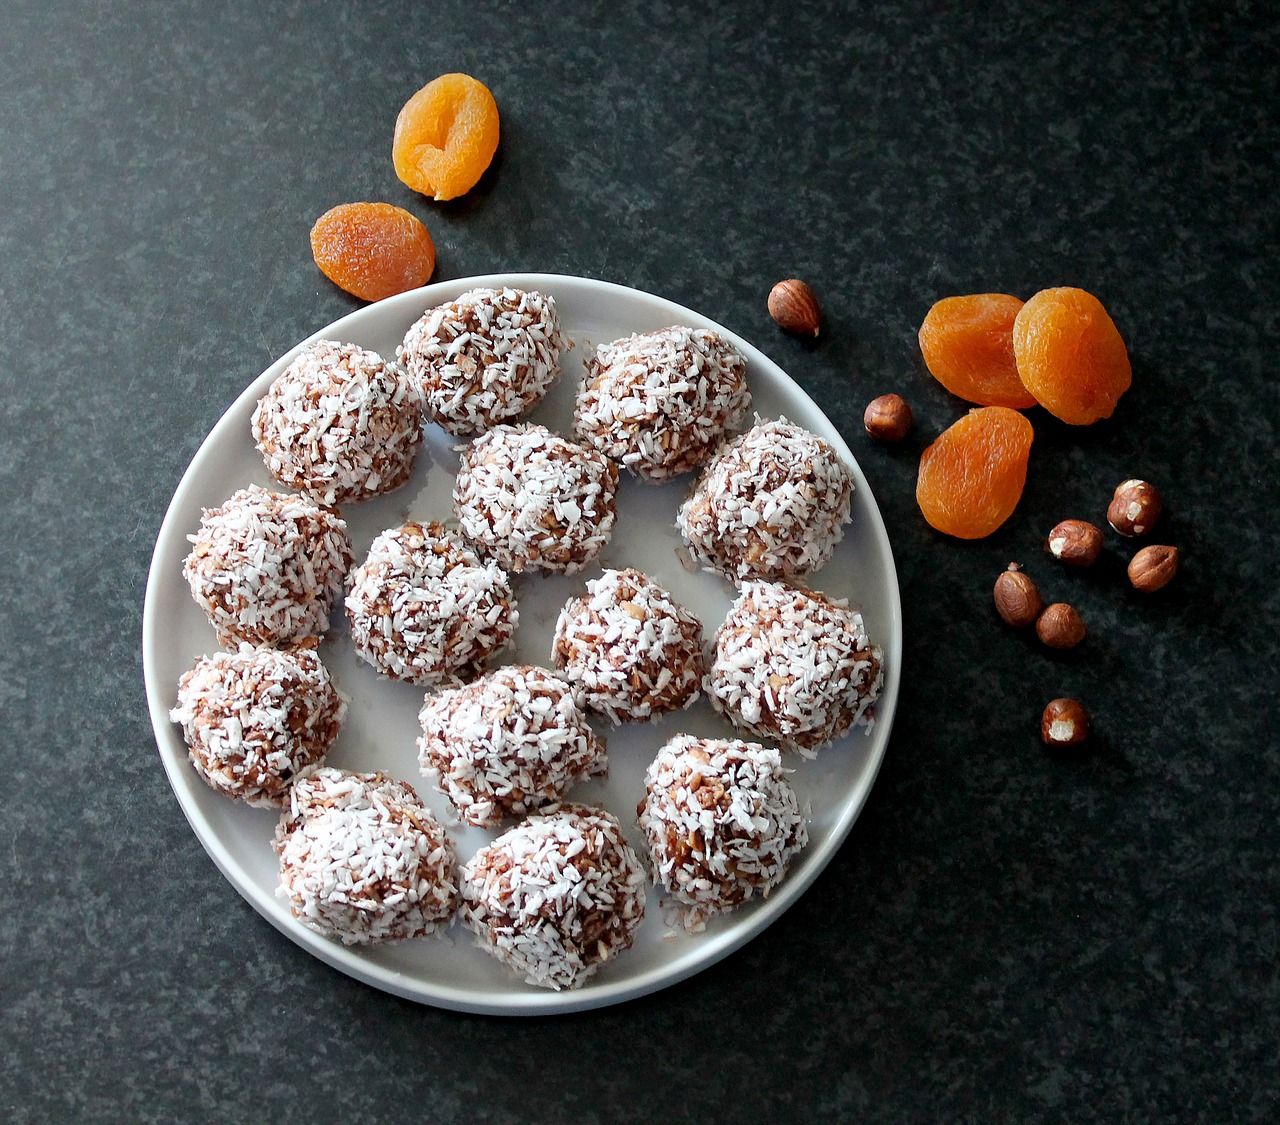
509 743
660 402
363 860
485 358
256 718
532 500
340 424
556 896
267 566
771 504
629 648
722 822
424 608
793 666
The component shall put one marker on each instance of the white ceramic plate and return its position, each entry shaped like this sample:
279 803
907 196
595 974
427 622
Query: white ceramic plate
451 972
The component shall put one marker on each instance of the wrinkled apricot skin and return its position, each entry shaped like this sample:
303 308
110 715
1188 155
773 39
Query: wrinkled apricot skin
373 250
967 343
971 478
446 136
1070 355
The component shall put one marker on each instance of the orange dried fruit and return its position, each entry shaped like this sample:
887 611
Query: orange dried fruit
972 476
1071 355
373 250
967 344
445 136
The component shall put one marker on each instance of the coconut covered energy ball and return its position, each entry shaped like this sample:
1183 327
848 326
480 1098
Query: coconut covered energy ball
340 424
486 358
424 608
793 666
532 500
771 504
363 860
556 896
267 566
721 821
509 743
255 718
660 402
629 648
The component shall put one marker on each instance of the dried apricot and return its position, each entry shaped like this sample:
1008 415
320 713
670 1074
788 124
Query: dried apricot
445 137
373 250
971 477
968 347
1071 355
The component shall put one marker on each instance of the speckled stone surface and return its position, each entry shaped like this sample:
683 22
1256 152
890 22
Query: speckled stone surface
1006 935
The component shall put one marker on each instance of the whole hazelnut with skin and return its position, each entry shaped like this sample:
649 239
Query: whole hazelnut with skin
1017 599
1064 723
1075 542
1060 626
795 307
887 418
1153 568
1135 506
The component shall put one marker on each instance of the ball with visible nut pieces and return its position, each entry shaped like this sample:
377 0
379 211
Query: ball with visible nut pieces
1064 723
1153 568
795 307
1135 507
1017 599
887 418
1075 542
1060 626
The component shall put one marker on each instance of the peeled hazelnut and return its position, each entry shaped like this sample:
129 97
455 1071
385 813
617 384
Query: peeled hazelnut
1017 599
1135 506
887 418
1075 542
1060 626
1153 568
795 308
1064 723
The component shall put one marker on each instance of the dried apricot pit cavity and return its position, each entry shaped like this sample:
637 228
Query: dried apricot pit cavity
967 343
972 477
373 250
1071 355
445 136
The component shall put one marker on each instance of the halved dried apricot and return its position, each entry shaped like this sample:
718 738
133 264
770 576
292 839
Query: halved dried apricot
1071 355
967 344
972 476
373 250
445 136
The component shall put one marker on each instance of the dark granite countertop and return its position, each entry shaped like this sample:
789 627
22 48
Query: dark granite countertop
1006 935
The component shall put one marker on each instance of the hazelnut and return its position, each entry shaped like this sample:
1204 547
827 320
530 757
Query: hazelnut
1075 542
1135 506
1060 626
1064 723
1017 599
887 418
795 308
1153 568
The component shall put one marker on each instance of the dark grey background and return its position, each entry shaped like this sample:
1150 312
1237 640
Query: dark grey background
1006 935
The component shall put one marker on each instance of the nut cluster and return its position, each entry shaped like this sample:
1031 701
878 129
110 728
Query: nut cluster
1019 604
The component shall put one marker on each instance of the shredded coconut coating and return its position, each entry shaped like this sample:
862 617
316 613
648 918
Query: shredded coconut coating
340 424
486 358
722 823
363 860
267 566
771 504
793 666
256 718
660 402
532 500
556 896
629 648
511 742
424 608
